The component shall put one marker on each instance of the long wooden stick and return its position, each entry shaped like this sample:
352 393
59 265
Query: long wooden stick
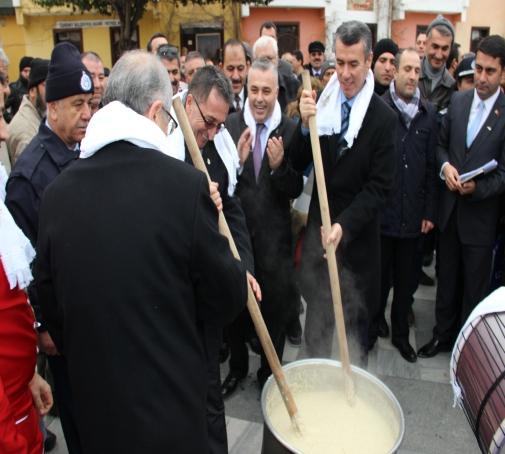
330 251
252 304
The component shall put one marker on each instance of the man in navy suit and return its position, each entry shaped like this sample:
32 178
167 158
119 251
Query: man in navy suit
472 134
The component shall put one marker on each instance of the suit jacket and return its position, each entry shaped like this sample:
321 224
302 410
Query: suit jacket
477 214
358 182
130 266
232 208
266 204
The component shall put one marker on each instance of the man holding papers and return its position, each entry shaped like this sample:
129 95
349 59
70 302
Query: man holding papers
468 211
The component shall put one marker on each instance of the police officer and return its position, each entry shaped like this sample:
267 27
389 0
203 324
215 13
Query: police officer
69 89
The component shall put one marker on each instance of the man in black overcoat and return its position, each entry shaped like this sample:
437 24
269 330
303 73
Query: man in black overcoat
267 183
69 89
472 134
356 131
130 269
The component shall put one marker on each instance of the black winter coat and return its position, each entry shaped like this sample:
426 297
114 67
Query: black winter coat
415 188
130 266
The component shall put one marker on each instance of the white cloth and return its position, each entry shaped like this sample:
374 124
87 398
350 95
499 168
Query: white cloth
493 303
272 122
328 115
223 142
488 106
16 252
115 122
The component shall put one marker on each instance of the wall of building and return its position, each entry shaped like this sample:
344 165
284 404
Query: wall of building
311 23
13 42
403 32
481 13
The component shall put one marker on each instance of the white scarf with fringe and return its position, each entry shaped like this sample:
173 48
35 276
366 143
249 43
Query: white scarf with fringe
329 112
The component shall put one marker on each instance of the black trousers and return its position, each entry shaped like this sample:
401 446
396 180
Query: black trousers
398 268
277 308
64 401
216 423
464 276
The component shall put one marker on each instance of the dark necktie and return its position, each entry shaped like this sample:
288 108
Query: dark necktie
344 124
257 154
237 103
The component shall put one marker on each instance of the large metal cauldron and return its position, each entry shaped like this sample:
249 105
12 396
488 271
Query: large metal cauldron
273 442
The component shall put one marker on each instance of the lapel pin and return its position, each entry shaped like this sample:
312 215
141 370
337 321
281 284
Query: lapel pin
489 128
208 161
497 112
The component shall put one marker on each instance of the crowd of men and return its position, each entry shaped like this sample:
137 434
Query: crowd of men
137 294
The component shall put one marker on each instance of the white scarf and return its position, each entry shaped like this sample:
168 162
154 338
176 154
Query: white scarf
275 120
329 112
223 142
115 122
493 303
16 252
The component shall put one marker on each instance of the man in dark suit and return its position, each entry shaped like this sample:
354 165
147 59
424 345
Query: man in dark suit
129 250
469 210
235 67
207 102
356 131
266 184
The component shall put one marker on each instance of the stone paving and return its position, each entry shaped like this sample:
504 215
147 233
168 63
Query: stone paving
432 425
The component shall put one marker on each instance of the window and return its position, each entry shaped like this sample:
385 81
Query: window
206 38
288 36
478 33
115 33
73 36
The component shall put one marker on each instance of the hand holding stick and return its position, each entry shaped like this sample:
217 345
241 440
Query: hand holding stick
330 249
252 305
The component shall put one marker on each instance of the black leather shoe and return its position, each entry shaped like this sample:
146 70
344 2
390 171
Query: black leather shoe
426 280
294 332
405 349
255 345
434 347
224 352
230 384
382 328
50 441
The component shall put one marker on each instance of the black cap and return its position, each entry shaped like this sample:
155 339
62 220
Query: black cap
38 73
465 68
25 62
383 46
316 46
67 75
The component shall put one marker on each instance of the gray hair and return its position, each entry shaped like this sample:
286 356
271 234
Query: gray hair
265 65
193 55
207 78
3 57
444 30
353 32
265 41
90 55
137 80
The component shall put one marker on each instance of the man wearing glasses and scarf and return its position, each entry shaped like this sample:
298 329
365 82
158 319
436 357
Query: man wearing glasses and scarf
207 103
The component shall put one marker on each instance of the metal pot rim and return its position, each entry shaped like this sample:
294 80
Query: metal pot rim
335 363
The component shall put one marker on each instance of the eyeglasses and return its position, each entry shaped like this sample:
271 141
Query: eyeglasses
209 124
172 123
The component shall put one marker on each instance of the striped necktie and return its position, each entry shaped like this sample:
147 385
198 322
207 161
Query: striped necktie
344 125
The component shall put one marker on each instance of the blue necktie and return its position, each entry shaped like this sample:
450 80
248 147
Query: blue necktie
473 128
344 124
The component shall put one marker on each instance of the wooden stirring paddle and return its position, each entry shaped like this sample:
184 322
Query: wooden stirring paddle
330 251
252 304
